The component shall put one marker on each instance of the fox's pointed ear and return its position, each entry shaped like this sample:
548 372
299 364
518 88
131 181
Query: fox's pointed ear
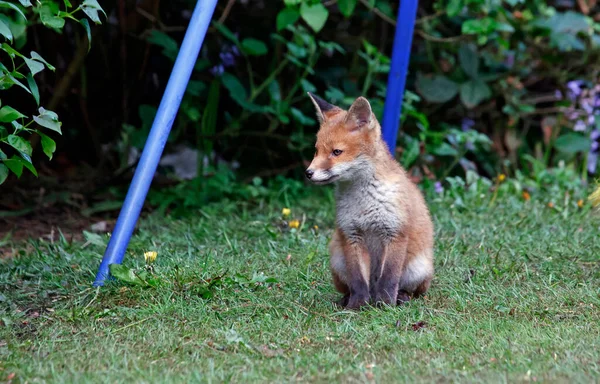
360 114
323 108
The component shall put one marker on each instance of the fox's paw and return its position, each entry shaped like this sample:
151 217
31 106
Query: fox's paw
357 301
403 297
343 302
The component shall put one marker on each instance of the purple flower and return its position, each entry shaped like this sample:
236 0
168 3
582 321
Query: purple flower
509 60
558 94
467 124
575 88
595 134
438 187
592 162
217 70
579 126
227 59
591 119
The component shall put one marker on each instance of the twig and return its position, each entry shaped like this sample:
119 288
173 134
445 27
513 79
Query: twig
376 11
435 39
226 11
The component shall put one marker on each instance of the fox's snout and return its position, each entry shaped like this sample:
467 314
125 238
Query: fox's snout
309 173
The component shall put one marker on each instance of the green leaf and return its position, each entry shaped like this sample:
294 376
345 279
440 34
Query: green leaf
437 89
274 91
5 31
8 114
469 61
15 165
91 8
483 26
67 4
454 7
48 145
301 117
34 66
3 173
48 119
315 15
3 136
226 32
254 47
572 143
88 31
195 87
347 7
127 275
287 16
36 56
10 79
20 144
34 88
25 3
26 161
50 19
6 4
307 86
235 88
474 92
161 39
11 51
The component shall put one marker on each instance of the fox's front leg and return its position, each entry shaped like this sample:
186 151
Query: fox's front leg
392 261
358 269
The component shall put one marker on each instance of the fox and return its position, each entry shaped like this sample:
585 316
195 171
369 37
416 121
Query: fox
381 251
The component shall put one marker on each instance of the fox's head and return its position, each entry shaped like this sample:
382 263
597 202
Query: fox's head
346 141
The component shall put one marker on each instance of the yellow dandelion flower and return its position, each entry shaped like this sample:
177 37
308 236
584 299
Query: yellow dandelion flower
595 197
294 223
286 212
526 195
501 177
150 256
316 227
580 203
550 205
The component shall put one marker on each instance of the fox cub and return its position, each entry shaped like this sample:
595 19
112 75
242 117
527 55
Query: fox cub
382 248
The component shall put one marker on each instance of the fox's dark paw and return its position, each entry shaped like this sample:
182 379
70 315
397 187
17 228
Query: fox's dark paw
357 301
403 297
343 302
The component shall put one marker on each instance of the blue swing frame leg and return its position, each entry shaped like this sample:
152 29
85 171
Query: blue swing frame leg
405 24
159 133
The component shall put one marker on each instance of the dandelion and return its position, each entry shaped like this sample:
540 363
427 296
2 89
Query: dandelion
294 223
316 227
286 212
150 256
580 203
501 177
550 205
526 196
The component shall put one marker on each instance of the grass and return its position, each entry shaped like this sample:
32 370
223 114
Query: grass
515 298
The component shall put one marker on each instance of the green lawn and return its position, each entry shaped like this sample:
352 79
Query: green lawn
515 298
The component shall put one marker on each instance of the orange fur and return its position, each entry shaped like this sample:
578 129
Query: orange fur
382 249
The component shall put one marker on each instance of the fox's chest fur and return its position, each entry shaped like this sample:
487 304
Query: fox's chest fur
368 210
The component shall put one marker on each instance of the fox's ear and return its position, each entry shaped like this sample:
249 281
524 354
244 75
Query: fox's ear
323 108
360 114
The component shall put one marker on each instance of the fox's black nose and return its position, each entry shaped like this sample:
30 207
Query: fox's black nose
309 173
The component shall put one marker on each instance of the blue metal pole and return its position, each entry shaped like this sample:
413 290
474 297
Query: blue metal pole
405 24
169 105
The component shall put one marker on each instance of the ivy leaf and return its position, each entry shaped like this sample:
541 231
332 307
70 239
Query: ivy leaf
48 145
315 15
6 4
347 7
3 173
474 92
34 88
287 16
9 114
48 119
254 47
91 8
5 31
437 89
36 56
34 66
20 144
88 32
469 61
572 143
49 19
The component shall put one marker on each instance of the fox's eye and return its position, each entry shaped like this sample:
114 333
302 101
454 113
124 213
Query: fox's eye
337 152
